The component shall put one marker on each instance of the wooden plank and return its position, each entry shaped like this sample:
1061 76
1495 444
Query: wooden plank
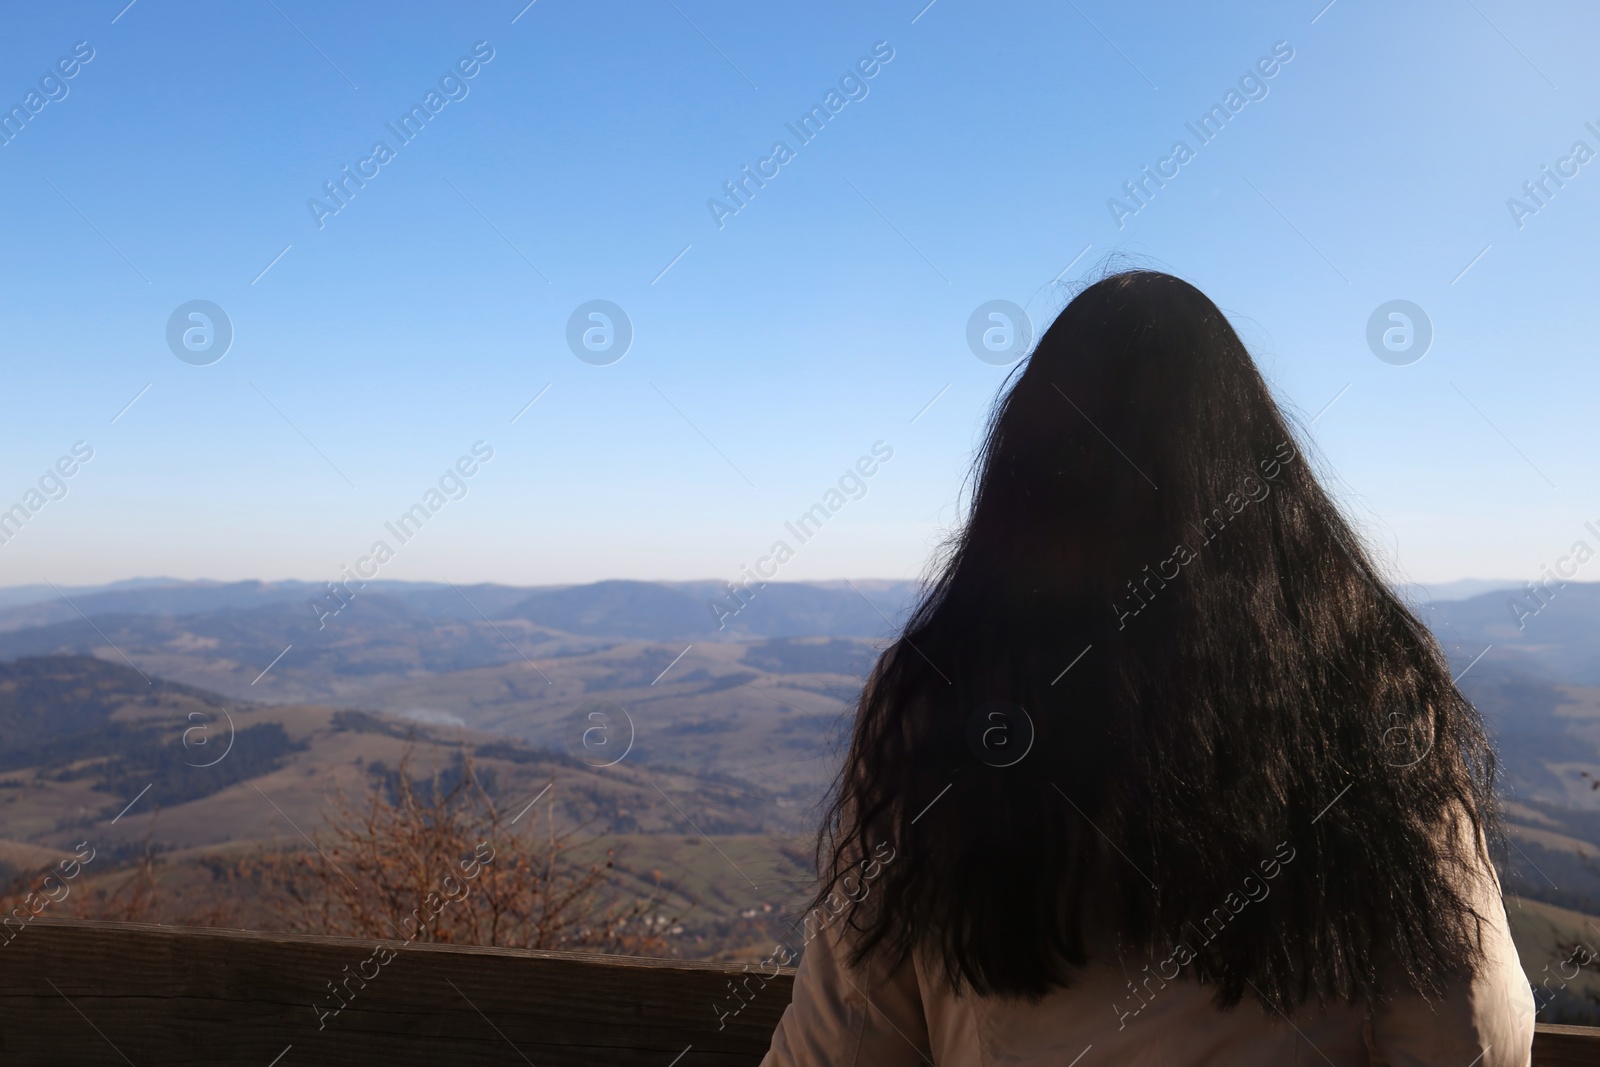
1566 1046
107 993
112 993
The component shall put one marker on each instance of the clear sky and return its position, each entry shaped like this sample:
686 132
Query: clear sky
374 345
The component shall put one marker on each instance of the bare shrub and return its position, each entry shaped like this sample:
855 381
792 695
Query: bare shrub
386 865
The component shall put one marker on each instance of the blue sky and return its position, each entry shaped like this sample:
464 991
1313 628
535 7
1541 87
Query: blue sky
818 320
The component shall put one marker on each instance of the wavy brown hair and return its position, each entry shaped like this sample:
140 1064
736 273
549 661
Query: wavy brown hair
1242 681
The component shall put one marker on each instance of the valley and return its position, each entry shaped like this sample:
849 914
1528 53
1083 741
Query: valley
183 730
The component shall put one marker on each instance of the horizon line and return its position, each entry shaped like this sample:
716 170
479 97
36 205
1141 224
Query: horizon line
167 580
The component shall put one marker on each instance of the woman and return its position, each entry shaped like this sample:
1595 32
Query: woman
1160 771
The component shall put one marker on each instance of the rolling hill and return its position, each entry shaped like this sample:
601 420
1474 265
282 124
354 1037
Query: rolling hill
732 733
92 751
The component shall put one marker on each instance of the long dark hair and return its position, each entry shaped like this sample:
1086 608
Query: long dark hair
1157 691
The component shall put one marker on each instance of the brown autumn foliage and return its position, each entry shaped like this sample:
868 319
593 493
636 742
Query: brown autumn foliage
132 892
436 862
411 861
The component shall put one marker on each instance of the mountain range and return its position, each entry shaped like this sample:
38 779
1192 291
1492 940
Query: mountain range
739 727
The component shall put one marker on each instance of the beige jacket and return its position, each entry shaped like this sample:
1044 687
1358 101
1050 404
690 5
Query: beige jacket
840 1017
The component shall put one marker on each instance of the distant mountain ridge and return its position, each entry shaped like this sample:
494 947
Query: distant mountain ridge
1460 589
1555 638
615 608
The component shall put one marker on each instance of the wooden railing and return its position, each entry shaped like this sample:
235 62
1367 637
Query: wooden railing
111 993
